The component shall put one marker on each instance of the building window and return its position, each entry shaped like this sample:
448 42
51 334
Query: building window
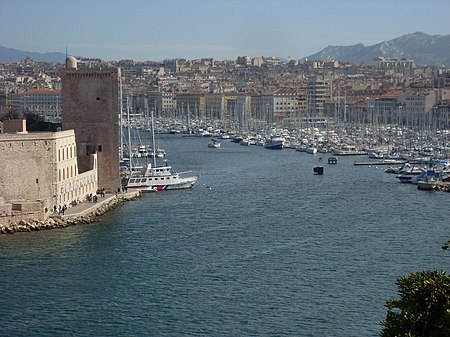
99 148
98 98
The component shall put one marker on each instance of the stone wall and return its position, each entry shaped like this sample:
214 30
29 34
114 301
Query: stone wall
91 108
35 224
22 210
26 170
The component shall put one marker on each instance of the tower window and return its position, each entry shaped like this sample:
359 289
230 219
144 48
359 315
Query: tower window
98 98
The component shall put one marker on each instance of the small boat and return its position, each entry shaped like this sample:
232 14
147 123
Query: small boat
376 155
311 150
318 170
332 160
348 150
214 144
275 142
409 175
245 142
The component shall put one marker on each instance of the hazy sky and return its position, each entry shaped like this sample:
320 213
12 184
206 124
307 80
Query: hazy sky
159 29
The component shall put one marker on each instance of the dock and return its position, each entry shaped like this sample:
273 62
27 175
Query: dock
85 208
380 162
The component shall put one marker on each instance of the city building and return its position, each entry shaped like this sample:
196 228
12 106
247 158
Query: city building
319 91
162 103
383 63
192 104
45 103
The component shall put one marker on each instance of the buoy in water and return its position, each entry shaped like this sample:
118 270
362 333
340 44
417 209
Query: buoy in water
318 170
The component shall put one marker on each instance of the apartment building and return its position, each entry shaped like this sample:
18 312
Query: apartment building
319 90
47 103
190 104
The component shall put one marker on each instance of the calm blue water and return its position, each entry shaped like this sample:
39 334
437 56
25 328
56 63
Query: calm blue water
270 249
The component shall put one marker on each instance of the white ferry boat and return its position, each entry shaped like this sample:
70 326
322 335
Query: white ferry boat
158 178
161 178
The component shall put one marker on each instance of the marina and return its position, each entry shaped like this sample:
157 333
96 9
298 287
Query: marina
260 245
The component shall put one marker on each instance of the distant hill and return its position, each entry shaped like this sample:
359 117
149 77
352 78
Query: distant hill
14 55
424 49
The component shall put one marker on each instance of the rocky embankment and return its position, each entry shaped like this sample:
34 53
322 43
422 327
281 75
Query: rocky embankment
58 222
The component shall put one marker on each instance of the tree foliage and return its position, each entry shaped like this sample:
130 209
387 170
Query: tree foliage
423 308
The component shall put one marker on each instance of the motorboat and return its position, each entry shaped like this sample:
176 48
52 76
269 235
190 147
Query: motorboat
348 150
213 143
311 150
161 178
275 142
158 178
409 175
332 160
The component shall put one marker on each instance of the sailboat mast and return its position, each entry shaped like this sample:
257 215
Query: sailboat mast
153 141
121 116
129 137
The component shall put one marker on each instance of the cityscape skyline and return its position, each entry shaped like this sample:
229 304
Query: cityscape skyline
160 30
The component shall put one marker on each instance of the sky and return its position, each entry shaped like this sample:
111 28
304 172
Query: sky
155 30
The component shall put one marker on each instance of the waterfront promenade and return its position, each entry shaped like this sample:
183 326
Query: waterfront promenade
82 213
86 207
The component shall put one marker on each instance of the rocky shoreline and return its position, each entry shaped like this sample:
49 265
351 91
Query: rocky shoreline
63 222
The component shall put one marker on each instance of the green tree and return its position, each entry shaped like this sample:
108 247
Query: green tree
423 308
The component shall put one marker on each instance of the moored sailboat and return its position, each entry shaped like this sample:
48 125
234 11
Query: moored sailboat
158 178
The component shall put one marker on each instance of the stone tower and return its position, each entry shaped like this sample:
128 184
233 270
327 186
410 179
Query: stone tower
91 107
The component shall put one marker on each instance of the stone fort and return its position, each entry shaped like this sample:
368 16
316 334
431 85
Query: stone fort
91 107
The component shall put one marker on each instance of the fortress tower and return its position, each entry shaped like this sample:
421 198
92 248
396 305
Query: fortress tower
91 107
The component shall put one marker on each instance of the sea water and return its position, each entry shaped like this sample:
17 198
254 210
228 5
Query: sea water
260 246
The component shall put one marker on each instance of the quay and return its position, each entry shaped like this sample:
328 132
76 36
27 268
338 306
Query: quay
82 213
381 162
88 208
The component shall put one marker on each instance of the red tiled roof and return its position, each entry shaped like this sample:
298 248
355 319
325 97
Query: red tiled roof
40 91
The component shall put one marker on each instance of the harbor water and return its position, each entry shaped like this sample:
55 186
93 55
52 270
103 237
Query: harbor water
259 247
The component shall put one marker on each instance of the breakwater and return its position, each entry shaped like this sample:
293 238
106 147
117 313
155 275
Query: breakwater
82 214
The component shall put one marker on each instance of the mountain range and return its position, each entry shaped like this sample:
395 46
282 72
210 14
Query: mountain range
424 49
14 55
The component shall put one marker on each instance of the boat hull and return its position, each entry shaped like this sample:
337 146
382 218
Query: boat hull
274 146
149 184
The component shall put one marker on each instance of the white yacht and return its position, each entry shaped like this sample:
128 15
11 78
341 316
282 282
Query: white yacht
160 178
311 149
